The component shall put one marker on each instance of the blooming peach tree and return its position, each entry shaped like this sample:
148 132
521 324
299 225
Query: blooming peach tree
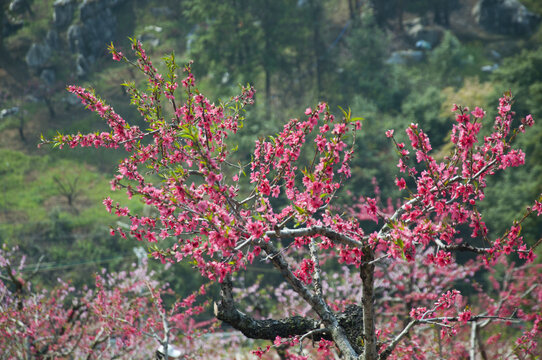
121 317
397 295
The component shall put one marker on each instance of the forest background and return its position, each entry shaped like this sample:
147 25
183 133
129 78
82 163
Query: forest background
393 64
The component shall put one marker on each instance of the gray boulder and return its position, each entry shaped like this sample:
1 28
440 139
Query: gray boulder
91 8
75 39
38 55
114 3
52 39
149 37
98 26
48 76
63 13
489 68
89 35
20 6
8 112
71 100
506 17
82 66
431 35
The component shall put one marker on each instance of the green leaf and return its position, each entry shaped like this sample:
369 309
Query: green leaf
346 115
300 210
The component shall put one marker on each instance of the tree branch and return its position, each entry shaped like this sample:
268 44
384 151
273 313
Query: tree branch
267 329
317 275
396 340
461 247
315 230
317 303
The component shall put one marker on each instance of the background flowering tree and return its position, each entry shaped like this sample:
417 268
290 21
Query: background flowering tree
222 214
122 317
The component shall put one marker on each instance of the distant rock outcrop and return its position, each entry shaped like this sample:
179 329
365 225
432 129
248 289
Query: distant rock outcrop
506 17
95 29
75 39
98 25
87 35
38 55
418 31
20 6
48 76
52 39
81 66
63 13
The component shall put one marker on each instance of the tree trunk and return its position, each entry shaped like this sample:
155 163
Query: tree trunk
49 105
21 128
366 272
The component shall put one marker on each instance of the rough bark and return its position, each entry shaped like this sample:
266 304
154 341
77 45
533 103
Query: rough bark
345 328
366 271
267 329
315 230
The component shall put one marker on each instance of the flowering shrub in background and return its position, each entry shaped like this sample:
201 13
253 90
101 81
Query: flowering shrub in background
122 317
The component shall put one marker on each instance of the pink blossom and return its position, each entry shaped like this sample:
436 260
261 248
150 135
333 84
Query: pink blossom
529 121
117 55
478 113
465 316
417 313
108 204
255 228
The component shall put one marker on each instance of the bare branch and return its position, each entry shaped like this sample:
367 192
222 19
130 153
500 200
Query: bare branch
315 230
389 349
267 329
440 322
461 247
317 275
383 257
317 302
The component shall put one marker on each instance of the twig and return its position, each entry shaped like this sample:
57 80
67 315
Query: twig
378 259
317 275
315 230
461 247
384 355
